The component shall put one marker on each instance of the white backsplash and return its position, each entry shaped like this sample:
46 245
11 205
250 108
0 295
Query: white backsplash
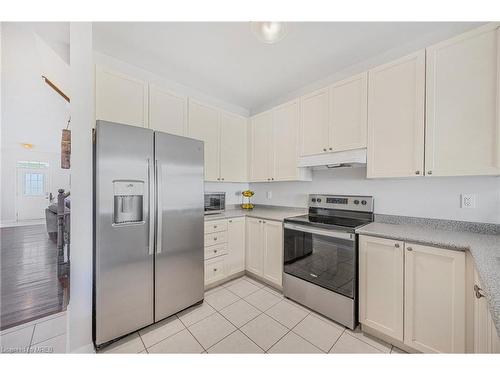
436 197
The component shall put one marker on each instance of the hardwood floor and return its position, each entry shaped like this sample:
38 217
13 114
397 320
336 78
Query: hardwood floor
30 288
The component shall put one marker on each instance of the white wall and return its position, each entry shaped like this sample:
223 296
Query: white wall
83 119
232 190
31 111
436 197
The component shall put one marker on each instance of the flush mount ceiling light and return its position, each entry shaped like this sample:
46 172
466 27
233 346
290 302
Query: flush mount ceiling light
27 146
269 32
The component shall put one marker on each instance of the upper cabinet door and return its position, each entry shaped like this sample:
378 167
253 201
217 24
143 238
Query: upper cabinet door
233 148
286 132
120 98
396 118
463 125
204 125
167 111
314 122
434 299
348 113
261 141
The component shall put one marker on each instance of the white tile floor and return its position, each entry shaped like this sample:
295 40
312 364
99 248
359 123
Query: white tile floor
245 316
45 335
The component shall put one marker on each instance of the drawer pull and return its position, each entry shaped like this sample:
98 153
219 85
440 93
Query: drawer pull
215 251
215 226
478 292
215 238
396 245
409 249
215 269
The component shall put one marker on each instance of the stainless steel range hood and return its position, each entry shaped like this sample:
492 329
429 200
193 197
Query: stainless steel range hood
332 160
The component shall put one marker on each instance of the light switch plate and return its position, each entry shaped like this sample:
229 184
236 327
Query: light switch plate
468 200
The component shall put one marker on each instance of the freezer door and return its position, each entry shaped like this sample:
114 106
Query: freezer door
124 234
179 271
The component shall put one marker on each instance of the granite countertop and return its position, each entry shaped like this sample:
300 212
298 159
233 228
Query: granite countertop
260 212
485 249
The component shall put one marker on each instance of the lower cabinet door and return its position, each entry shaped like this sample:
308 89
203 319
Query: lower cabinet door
235 245
381 266
254 246
434 299
273 251
215 269
486 339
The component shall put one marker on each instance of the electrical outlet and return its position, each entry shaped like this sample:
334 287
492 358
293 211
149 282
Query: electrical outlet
468 200
269 195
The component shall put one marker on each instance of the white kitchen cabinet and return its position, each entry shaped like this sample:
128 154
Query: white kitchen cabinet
215 269
204 125
314 122
462 111
381 288
233 148
264 249
434 300
168 112
120 98
236 245
285 137
274 145
254 246
348 113
395 146
261 152
486 339
273 251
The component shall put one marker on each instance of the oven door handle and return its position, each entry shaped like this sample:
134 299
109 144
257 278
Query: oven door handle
321 232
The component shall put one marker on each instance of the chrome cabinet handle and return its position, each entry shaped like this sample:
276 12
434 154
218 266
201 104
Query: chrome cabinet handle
417 172
324 149
429 172
409 249
396 245
478 292
330 148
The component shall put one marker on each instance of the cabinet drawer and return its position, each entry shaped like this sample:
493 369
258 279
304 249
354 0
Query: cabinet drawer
215 226
215 251
215 238
215 269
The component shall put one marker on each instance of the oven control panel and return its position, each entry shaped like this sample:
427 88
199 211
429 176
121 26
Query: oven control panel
342 202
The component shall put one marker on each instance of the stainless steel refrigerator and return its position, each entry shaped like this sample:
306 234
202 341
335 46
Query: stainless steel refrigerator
148 228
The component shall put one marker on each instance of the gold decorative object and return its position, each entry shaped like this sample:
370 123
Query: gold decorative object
246 196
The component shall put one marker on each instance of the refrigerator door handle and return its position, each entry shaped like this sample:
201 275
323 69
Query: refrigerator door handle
150 210
159 208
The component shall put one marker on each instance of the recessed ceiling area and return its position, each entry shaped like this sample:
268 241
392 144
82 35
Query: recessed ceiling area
225 59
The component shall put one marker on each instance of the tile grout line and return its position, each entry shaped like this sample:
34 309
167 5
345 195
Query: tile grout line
289 330
143 344
236 329
367 343
32 335
187 329
338 338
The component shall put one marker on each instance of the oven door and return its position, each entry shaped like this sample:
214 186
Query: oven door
327 258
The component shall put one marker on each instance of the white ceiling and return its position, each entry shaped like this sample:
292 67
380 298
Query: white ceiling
225 60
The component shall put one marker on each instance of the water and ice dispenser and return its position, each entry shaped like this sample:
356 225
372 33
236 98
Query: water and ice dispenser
128 202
